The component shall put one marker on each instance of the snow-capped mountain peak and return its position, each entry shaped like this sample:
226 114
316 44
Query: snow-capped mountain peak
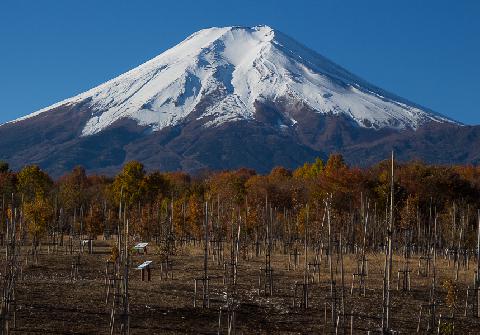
220 74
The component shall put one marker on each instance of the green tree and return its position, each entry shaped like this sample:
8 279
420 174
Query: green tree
130 183
310 170
32 182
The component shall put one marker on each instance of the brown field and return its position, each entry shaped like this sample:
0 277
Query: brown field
49 302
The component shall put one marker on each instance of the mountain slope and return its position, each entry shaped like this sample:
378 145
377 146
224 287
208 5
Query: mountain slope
233 68
222 98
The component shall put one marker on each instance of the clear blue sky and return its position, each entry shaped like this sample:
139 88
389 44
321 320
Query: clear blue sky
425 51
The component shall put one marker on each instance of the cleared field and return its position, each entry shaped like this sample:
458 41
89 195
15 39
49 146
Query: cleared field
50 302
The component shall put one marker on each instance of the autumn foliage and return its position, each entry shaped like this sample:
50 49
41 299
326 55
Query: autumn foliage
155 202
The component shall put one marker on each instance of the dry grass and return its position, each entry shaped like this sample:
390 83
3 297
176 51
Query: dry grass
49 303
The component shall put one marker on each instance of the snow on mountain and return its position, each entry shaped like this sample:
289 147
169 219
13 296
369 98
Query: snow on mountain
233 67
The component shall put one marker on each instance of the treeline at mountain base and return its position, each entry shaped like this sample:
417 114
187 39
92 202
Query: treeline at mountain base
78 203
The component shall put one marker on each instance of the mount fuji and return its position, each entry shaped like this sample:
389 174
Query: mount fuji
226 98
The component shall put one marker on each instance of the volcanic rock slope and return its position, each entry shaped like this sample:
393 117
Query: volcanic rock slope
232 97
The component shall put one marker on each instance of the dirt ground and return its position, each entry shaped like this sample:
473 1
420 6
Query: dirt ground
49 302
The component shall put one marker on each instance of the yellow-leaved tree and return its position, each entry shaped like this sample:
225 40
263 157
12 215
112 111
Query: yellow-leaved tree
38 213
33 182
128 185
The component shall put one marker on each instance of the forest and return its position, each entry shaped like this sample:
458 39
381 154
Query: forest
421 193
